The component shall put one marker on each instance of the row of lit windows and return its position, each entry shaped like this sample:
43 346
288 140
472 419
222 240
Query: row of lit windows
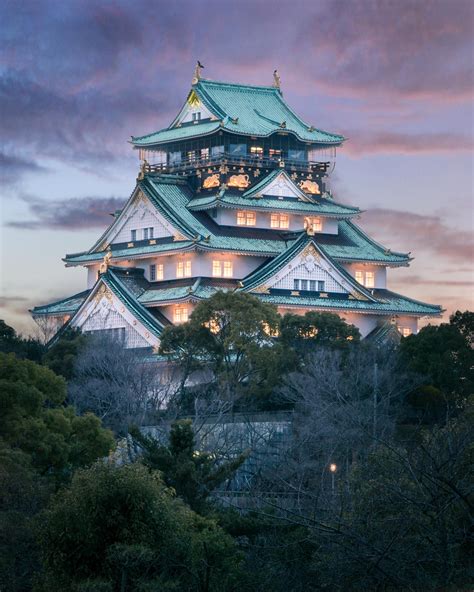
311 285
184 270
248 218
236 150
146 233
366 278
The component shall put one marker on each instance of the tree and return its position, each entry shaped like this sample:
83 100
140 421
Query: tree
35 420
62 355
304 333
192 473
118 385
231 335
24 348
119 528
444 355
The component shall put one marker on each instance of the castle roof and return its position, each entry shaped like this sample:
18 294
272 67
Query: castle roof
240 109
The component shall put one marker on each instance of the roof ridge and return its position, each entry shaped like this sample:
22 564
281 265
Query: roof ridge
269 87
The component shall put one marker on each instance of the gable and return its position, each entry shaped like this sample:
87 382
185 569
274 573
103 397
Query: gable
138 215
282 187
104 312
191 109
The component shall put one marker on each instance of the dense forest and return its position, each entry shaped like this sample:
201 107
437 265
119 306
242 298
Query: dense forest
368 487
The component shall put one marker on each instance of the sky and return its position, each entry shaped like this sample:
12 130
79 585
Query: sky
78 78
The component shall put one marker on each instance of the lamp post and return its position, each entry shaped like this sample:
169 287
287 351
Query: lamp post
333 469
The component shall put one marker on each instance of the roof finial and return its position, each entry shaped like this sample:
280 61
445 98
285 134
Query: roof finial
197 72
276 79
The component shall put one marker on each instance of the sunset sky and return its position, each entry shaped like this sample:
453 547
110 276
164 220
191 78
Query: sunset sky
79 78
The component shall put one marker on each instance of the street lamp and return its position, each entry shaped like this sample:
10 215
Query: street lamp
333 469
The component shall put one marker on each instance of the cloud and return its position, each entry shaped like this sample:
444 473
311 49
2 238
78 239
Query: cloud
420 233
12 166
397 143
79 213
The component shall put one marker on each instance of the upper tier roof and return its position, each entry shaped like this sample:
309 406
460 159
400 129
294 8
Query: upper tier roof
240 109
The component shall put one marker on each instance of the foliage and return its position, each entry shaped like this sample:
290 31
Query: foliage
62 354
120 528
304 333
24 348
191 473
229 334
35 420
444 354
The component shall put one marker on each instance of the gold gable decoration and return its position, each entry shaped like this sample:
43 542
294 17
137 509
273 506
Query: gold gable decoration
193 100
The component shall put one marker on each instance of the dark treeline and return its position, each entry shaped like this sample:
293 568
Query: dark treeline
370 489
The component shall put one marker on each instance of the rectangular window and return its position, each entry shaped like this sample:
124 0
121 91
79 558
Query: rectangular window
272 153
228 269
204 153
312 285
369 279
145 233
133 235
406 331
238 149
180 314
196 116
150 232
174 157
191 155
216 269
317 224
256 151
320 286
217 150
359 276
152 273
296 284
159 271
279 221
183 269
246 219
304 284
296 154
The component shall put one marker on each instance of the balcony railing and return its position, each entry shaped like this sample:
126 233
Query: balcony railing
191 163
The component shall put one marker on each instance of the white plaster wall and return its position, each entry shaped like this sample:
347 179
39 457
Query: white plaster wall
92 275
228 217
201 264
168 311
409 322
142 217
379 270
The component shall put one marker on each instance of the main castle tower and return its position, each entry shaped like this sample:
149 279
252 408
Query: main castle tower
233 195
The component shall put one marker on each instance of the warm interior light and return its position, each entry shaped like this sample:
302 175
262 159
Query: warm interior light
333 467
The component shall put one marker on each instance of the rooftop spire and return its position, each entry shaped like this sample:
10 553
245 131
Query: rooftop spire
276 79
197 72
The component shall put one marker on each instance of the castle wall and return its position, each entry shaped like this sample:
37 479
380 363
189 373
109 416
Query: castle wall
228 217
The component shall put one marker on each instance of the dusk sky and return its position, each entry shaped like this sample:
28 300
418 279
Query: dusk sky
79 78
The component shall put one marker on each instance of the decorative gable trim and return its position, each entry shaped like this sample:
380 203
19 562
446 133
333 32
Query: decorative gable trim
277 184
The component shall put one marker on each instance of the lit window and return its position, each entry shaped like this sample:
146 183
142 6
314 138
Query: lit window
359 276
279 221
133 235
217 269
228 269
180 314
152 273
159 271
204 153
183 269
369 279
313 225
192 155
274 153
406 331
246 219
256 151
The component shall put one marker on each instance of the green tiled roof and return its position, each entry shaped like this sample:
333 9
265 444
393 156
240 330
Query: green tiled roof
387 303
246 110
195 290
321 207
65 306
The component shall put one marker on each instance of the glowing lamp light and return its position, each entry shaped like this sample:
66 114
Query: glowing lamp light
333 467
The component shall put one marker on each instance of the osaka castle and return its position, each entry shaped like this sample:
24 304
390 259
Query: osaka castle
233 195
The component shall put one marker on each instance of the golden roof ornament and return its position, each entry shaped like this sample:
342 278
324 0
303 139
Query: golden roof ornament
276 79
104 266
143 169
197 72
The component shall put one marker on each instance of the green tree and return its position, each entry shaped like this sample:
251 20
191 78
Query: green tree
230 334
25 348
303 333
62 355
119 528
444 355
35 420
193 474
